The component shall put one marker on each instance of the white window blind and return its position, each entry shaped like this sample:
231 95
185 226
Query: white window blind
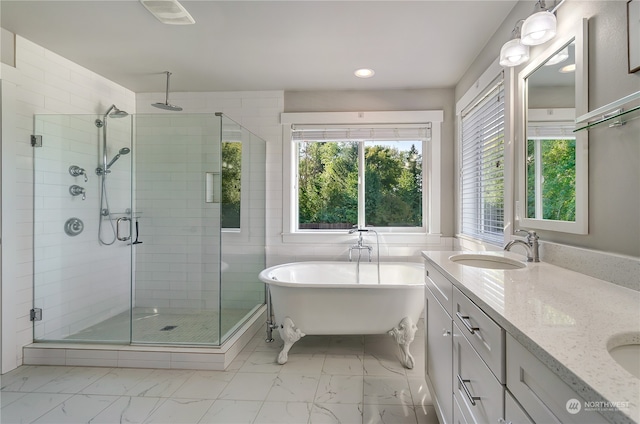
369 133
482 167
551 130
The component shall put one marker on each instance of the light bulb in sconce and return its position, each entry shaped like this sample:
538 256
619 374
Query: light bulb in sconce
364 73
513 53
539 28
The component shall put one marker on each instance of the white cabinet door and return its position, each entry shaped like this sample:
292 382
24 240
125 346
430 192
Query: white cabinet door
438 355
476 389
513 412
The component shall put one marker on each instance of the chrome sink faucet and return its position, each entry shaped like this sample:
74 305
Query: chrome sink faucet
531 245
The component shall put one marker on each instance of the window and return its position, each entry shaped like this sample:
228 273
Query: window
231 184
482 166
359 176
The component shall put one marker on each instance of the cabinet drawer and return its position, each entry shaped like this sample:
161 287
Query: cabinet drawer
542 394
439 286
483 333
479 394
513 412
458 414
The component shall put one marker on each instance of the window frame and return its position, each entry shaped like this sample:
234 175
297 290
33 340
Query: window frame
429 233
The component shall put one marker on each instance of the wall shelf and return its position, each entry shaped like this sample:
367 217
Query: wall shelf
612 113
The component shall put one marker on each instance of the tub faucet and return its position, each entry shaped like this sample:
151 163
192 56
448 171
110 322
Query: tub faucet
359 246
531 245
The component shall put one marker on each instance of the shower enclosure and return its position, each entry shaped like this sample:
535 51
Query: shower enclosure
148 229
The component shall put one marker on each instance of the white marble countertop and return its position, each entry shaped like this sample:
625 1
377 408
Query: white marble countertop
566 319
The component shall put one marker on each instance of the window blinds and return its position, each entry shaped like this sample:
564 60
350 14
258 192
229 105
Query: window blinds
482 167
354 133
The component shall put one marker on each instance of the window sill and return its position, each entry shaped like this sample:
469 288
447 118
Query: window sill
332 237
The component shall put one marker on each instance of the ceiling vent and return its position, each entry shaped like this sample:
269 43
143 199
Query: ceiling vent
168 12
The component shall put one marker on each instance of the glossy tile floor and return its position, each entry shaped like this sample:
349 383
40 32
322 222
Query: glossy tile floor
328 379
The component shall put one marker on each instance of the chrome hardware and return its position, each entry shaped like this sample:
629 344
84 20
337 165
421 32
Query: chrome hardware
36 141
35 314
467 323
76 190
360 246
462 382
531 245
76 171
118 221
446 332
73 227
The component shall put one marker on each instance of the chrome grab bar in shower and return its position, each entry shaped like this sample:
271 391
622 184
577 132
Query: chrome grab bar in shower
118 221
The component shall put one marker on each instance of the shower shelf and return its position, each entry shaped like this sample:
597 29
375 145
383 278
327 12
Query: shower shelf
116 215
610 113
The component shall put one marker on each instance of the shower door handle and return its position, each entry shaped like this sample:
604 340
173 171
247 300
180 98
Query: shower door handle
118 221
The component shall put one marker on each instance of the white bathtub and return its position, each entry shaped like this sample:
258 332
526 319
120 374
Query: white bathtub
323 298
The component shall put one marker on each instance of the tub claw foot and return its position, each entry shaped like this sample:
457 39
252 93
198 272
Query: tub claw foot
404 334
290 334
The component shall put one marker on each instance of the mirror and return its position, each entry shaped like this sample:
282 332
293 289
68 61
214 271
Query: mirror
554 159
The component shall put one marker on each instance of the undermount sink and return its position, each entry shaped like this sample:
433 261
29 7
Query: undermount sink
626 356
486 261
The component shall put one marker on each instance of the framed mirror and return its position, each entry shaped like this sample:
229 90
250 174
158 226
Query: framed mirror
553 166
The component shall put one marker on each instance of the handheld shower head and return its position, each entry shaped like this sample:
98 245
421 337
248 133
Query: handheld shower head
123 151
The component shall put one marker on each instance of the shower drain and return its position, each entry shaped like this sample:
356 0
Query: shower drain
168 327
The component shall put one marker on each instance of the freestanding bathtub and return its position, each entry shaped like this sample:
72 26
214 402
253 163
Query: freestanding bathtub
327 298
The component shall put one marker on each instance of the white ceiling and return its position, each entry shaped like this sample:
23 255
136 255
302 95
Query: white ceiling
265 45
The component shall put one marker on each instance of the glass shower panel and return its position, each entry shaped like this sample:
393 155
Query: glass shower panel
81 284
177 263
243 197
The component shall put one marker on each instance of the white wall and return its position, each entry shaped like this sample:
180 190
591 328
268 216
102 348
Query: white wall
41 82
614 153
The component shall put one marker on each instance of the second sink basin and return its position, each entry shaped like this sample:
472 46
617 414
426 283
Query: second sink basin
486 261
628 356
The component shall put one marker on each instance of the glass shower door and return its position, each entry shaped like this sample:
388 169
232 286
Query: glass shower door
82 225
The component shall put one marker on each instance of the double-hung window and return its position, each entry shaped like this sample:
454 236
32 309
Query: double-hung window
359 175
481 189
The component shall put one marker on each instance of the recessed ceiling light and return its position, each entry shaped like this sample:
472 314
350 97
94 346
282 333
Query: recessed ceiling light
168 12
364 73
568 68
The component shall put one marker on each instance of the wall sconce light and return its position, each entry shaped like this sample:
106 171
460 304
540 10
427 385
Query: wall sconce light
513 52
540 27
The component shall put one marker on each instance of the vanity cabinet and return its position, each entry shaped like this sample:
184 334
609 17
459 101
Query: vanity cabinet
438 357
477 373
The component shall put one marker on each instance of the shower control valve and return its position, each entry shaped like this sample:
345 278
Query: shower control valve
76 190
76 171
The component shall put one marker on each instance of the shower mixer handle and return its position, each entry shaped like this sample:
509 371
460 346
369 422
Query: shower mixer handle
76 190
76 171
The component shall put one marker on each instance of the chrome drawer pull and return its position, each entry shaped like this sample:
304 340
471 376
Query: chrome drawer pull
467 323
472 399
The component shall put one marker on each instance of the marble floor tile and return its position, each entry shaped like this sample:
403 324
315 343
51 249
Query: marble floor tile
8 397
304 363
30 378
160 383
77 409
204 385
261 361
387 391
30 407
343 364
284 413
180 411
248 386
426 414
346 345
231 412
336 413
127 409
420 392
383 365
293 388
73 380
389 414
340 389
117 381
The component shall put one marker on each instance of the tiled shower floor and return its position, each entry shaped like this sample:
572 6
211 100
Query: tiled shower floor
165 326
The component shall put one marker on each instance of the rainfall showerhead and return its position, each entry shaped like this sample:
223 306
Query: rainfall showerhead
123 151
114 112
166 105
